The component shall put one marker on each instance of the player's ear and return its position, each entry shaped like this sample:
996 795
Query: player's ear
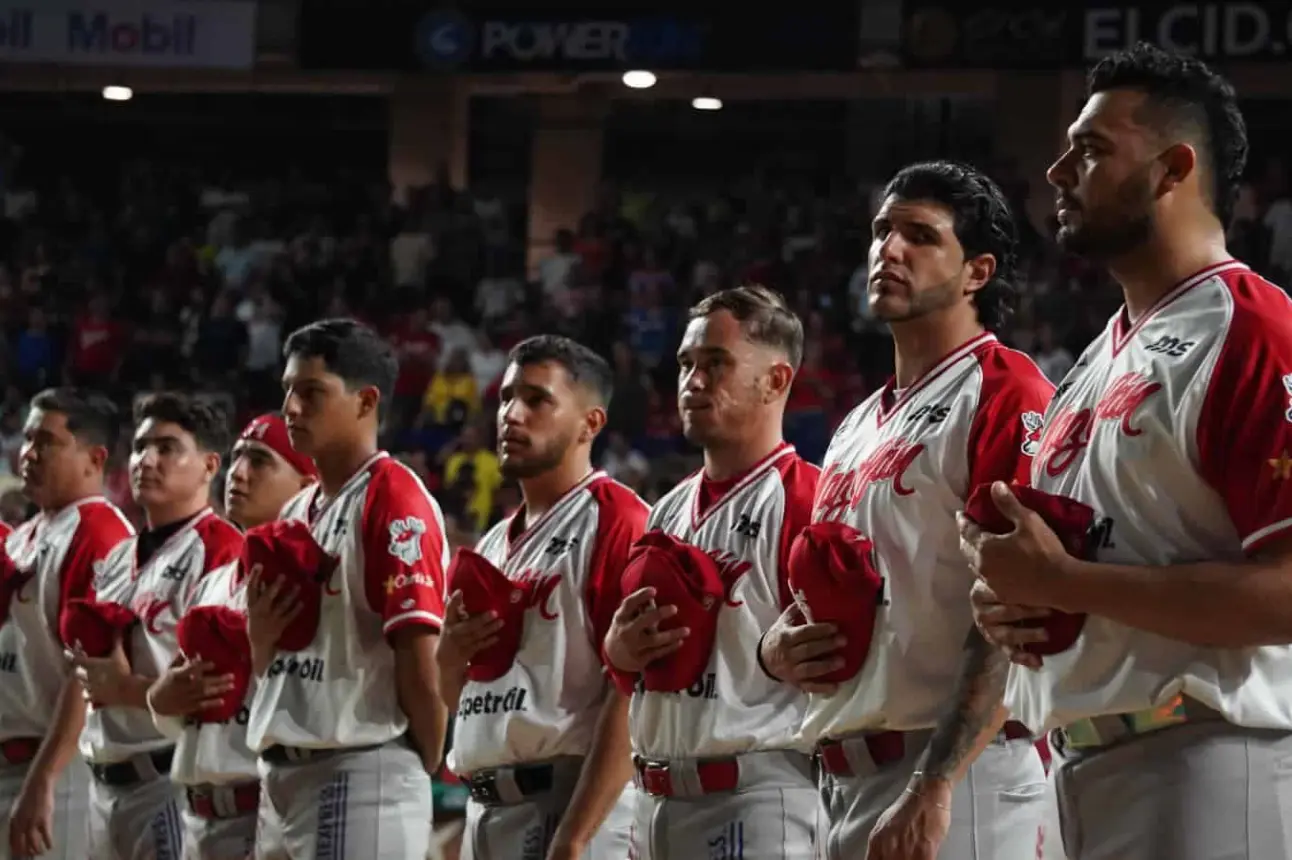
1178 162
979 270
211 463
369 401
780 376
593 422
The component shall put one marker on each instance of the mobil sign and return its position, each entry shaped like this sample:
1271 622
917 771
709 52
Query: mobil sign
175 33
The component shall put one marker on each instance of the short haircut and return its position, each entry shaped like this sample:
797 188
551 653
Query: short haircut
763 315
351 350
583 366
1188 102
207 423
91 417
983 223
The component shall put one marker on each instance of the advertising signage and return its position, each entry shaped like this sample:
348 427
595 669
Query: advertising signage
1039 36
608 37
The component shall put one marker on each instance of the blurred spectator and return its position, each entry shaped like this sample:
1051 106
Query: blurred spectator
453 396
98 343
36 363
556 272
418 351
471 476
625 463
807 413
1050 356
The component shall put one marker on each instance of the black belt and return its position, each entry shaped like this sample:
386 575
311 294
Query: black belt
530 779
279 754
126 773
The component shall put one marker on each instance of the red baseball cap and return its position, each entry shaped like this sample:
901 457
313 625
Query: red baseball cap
93 626
286 548
270 430
218 635
833 577
688 578
485 588
1071 521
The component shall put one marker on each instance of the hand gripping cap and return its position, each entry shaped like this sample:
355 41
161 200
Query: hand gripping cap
485 588
287 549
218 635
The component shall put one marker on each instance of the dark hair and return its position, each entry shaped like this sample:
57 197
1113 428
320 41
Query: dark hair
584 366
91 417
984 224
206 422
351 350
1185 100
763 316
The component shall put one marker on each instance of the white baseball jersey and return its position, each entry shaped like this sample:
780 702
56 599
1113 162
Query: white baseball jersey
156 585
387 534
547 704
746 525
56 554
213 753
1178 430
898 469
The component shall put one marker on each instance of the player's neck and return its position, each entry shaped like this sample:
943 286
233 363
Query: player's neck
724 462
1165 261
338 467
919 344
543 491
88 491
166 515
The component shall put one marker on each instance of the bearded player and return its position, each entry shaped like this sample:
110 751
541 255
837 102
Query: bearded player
1175 428
212 762
135 809
350 728
44 786
897 742
721 764
564 746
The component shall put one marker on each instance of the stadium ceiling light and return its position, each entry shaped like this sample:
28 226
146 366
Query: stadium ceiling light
706 103
639 79
118 94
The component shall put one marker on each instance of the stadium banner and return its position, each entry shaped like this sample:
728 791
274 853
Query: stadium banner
159 33
348 34
1038 35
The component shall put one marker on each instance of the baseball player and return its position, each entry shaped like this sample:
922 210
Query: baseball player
720 763
1173 431
44 785
134 806
548 765
897 738
212 761
350 726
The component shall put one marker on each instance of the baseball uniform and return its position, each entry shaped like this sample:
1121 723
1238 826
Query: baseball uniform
55 556
721 767
135 808
898 469
1177 431
338 776
532 727
212 763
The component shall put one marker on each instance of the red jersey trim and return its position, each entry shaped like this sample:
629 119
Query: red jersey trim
755 472
943 365
509 546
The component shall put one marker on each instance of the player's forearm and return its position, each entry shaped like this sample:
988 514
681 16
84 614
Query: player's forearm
418 693
134 692
59 744
974 719
1212 604
451 685
606 771
262 657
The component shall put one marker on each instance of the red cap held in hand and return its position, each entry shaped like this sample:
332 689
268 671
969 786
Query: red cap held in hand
93 626
485 588
287 549
833 577
687 577
1071 521
218 635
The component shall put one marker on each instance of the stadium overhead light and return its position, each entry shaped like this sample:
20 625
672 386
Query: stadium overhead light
639 79
706 103
118 94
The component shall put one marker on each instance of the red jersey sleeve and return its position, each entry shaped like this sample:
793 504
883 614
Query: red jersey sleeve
403 550
1244 430
221 546
1006 429
799 478
621 519
100 529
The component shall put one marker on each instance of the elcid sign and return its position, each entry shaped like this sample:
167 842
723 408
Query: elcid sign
342 34
1017 35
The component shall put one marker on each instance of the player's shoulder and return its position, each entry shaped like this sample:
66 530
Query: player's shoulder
616 504
1007 371
680 493
5 530
219 537
99 518
391 481
798 477
1260 312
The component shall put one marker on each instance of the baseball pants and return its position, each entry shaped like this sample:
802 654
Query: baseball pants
523 830
71 808
358 804
220 831
771 815
142 821
1198 791
996 810
1051 834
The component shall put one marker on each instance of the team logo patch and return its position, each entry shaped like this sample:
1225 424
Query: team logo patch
406 539
1033 424
100 569
1287 386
